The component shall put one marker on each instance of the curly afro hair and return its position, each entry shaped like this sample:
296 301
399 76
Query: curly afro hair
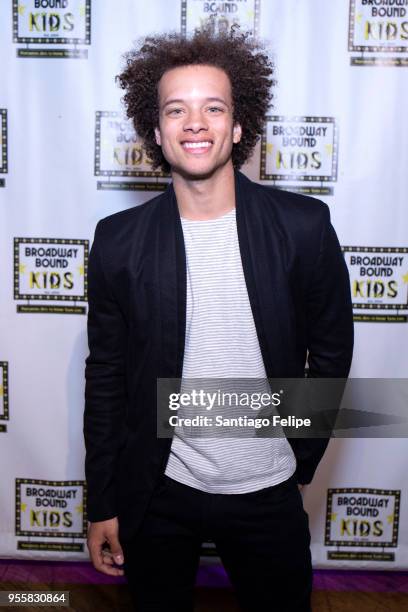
242 58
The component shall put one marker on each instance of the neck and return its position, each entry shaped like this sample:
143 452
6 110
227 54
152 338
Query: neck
205 198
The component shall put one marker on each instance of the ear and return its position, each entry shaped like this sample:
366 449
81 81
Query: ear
236 133
157 136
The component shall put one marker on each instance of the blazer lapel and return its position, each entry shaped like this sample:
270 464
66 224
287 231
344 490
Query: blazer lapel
171 261
262 255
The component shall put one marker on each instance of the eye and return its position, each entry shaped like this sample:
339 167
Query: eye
174 111
215 109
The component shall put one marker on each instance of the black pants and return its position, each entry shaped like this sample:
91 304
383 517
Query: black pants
261 537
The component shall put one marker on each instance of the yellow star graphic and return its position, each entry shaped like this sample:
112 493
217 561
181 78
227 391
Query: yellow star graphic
22 268
82 10
81 270
21 9
333 517
329 149
359 17
250 14
390 519
79 508
1 391
405 278
23 507
269 147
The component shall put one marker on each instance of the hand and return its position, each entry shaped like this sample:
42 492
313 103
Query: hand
104 547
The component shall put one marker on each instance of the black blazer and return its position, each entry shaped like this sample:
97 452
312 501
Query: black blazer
299 292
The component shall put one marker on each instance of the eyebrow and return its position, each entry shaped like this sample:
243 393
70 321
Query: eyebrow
180 101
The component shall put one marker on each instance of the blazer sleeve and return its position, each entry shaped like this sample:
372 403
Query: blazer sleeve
105 391
329 328
329 313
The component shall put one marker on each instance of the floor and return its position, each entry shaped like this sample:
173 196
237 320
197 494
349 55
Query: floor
334 591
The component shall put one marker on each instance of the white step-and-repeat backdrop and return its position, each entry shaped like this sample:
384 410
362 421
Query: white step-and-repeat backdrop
338 131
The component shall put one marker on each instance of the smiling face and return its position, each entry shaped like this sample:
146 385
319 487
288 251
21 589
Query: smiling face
196 129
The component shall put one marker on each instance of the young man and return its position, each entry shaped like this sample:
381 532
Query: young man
217 278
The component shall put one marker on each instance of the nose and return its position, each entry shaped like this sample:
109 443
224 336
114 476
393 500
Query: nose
195 122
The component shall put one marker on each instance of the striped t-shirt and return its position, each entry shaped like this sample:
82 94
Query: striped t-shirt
221 342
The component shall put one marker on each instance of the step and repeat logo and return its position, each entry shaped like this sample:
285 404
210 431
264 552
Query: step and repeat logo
378 27
379 282
300 153
3 145
4 397
119 152
222 15
50 512
50 270
366 519
53 24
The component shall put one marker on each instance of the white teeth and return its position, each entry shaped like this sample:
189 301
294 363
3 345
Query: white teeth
196 145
